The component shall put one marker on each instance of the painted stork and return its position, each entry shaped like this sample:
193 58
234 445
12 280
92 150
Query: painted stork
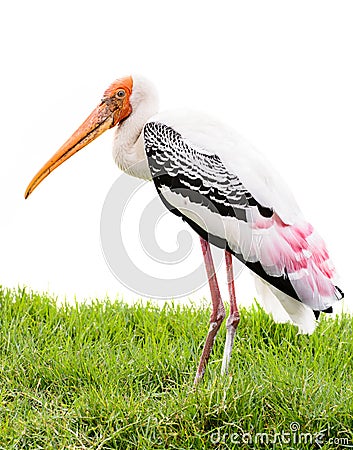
227 192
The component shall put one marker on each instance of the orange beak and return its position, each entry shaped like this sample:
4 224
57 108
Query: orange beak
115 106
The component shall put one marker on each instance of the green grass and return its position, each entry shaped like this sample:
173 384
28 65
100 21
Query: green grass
108 375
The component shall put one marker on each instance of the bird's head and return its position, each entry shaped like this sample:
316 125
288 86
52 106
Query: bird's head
115 106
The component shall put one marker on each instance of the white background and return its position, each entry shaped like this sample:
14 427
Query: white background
280 72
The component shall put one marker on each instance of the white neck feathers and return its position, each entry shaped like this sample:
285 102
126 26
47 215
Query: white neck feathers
128 145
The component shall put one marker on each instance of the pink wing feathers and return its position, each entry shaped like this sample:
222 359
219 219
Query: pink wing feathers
299 253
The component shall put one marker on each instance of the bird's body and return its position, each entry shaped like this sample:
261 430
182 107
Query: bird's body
230 195
227 192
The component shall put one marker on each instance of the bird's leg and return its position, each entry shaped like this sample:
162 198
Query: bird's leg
218 312
233 318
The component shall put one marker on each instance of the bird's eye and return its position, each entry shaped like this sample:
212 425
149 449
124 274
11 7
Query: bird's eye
120 93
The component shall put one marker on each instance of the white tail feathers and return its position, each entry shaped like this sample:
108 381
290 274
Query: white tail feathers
284 308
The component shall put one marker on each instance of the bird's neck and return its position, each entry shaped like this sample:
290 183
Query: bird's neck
128 146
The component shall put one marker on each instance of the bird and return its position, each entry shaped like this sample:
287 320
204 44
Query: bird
228 193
